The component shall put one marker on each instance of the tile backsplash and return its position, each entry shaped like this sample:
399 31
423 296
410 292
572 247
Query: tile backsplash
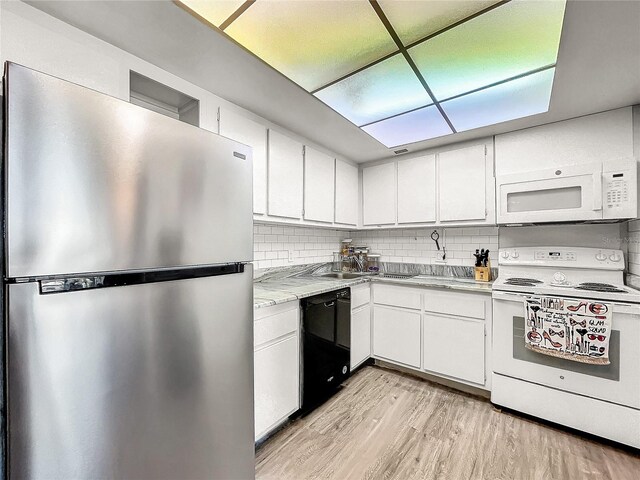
281 246
633 247
416 245
277 246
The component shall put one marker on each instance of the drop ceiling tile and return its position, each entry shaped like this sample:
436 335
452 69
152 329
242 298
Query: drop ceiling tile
382 90
215 12
409 127
519 98
416 19
512 39
313 43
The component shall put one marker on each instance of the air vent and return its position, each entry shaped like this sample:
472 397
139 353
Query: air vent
402 150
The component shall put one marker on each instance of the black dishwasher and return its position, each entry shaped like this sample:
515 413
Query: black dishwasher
326 340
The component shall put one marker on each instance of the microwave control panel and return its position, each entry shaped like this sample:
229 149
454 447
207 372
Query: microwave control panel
619 197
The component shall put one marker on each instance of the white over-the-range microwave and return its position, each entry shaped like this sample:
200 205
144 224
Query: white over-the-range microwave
604 192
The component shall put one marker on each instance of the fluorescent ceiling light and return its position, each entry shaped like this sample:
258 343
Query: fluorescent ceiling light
382 90
405 71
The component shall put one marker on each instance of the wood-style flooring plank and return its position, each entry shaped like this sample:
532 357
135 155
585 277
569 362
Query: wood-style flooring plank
388 425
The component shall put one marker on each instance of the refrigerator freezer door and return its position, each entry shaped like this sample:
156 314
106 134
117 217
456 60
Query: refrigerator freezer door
96 184
144 381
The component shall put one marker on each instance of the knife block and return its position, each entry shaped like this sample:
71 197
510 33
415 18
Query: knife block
483 274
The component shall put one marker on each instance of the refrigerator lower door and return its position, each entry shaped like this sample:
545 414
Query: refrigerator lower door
95 184
150 381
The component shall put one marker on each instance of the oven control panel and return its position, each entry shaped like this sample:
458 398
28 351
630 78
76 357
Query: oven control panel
577 257
619 192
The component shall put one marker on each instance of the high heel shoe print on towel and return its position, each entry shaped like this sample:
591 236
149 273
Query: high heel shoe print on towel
572 329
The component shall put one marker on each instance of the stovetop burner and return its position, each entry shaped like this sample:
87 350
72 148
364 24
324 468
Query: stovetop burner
600 287
516 280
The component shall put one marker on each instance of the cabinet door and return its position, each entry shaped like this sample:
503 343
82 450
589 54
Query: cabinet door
319 182
250 133
417 190
462 184
346 193
284 176
396 335
379 194
276 378
454 347
360 335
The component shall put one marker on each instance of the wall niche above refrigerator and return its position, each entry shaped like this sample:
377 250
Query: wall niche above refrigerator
160 98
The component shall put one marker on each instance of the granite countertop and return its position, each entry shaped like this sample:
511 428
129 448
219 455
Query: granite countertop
281 288
452 283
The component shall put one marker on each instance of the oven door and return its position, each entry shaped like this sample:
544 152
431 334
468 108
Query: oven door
557 195
617 382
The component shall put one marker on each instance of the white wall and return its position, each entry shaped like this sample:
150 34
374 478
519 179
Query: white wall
416 245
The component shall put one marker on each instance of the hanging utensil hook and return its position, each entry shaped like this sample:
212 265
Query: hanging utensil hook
435 236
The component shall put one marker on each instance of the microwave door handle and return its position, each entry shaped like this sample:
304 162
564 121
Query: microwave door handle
597 191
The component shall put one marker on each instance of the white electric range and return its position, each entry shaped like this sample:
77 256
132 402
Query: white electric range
600 399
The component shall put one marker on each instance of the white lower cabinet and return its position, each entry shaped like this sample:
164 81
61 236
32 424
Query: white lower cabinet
396 335
454 346
438 331
276 365
360 335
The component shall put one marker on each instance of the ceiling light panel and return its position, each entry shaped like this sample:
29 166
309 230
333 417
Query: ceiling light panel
509 40
519 98
313 43
414 20
214 12
385 89
410 127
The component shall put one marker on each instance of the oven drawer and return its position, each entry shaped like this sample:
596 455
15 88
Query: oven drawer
618 382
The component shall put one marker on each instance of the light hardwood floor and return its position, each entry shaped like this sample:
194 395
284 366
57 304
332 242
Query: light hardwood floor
388 425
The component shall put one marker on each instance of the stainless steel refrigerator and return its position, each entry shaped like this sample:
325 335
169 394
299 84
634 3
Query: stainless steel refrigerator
128 296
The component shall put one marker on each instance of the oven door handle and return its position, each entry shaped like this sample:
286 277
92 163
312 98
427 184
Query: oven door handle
512 297
597 191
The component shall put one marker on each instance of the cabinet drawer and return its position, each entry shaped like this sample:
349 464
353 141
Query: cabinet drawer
397 296
271 327
454 347
459 305
360 295
396 335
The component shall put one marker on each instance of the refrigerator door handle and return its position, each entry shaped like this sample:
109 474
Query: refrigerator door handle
87 282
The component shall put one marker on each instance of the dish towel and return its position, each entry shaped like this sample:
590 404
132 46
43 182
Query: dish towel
574 329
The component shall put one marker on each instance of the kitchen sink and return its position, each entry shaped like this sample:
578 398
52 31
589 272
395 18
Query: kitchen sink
398 275
344 275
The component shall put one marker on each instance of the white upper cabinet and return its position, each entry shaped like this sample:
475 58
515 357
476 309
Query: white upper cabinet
579 141
319 179
250 133
346 194
285 181
379 194
462 184
417 190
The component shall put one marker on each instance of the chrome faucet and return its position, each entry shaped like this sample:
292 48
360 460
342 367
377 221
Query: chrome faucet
359 260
